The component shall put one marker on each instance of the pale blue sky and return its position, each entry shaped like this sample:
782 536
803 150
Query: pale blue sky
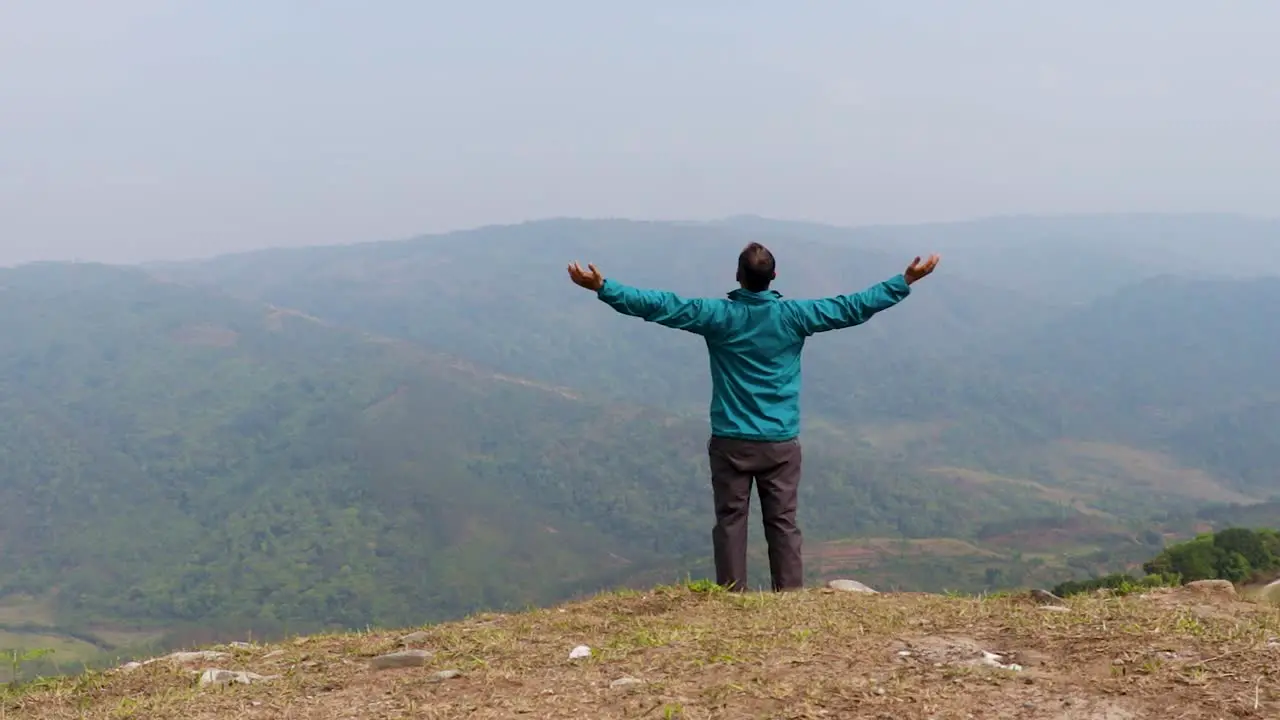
146 129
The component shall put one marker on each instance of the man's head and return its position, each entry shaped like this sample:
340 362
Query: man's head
755 268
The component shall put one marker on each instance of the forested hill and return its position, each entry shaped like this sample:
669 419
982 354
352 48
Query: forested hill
985 363
395 432
172 455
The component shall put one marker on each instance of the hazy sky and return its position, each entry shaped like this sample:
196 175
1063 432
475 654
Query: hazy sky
140 129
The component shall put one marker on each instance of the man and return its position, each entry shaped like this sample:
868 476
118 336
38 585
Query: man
754 339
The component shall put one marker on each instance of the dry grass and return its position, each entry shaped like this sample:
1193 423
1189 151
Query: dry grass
815 654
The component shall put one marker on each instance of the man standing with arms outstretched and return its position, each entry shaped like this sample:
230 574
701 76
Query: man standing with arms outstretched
754 339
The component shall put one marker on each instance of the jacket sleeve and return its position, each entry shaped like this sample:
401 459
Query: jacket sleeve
842 311
700 316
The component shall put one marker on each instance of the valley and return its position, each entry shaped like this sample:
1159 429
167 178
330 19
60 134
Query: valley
403 432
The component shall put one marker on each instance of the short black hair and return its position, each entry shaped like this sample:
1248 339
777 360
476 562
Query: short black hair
755 267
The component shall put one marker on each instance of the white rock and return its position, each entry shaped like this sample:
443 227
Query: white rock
195 656
414 638
403 659
444 675
850 586
130 666
580 652
993 660
625 682
214 676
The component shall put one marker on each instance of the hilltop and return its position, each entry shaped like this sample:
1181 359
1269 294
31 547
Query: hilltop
697 652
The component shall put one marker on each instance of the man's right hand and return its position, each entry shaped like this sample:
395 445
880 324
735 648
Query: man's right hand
918 269
590 278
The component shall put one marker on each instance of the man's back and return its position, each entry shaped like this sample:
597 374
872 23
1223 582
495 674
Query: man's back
754 340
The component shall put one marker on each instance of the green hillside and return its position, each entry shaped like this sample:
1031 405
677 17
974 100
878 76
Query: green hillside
399 432
175 456
176 459
993 377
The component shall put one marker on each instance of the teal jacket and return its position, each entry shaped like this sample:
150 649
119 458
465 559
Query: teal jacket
754 342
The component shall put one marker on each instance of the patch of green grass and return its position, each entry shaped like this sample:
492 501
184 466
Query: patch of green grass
704 586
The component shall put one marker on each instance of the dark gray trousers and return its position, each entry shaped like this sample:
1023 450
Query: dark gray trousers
775 466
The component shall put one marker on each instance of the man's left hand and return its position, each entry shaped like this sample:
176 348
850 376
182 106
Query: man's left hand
590 278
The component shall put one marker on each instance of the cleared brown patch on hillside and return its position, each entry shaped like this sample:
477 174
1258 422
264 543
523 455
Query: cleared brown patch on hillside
966 478
463 366
814 654
206 335
902 435
1144 469
1055 537
457 364
872 550
277 316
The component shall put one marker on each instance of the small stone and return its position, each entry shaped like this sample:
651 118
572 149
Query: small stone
214 676
302 641
625 682
850 586
196 656
580 652
415 638
403 659
1044 597
991 659
1055 608
444 675
240 646
130 666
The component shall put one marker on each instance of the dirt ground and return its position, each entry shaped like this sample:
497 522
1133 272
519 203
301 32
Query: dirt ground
680 653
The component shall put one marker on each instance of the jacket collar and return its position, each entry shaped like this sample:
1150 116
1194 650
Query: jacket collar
744 295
